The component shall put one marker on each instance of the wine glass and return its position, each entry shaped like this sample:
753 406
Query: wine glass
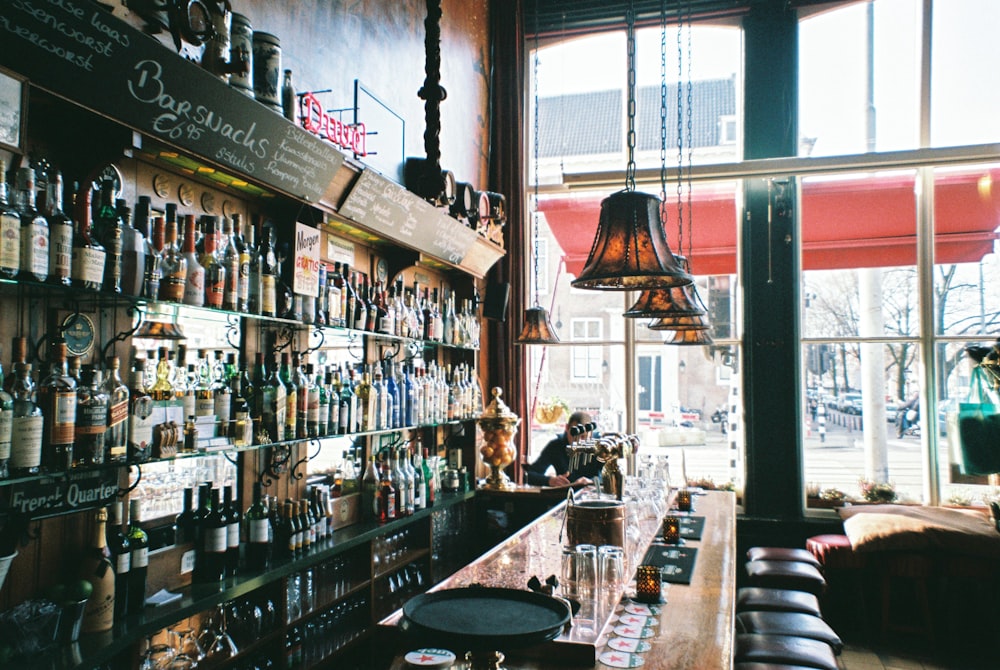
188 652
156 656
221 646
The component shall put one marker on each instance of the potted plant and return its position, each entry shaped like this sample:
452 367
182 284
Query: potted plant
878 492
551 410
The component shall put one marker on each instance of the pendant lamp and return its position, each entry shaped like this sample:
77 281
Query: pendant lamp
537 329
630 250
690 338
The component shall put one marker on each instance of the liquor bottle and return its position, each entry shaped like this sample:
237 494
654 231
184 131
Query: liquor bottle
6 425
213 531
291 400
292 529
139 543
306 523
381 399
360 318
322 311
407 479
215 272
258 529
110 232
394 396
26 425
244 250
348 419
322 405
429 487
407 398
337 302
274 404
240 408
140 416
231 513
448 320
371 311
332 386
188 390
268 269
370 491
288 98
118 413
174 265
312 403
222 392
133 252
60 233
121 558
229 257
302 389
154 235
419 487
194 286
91 423
163 388
386 495
34 230
253 282
366 404
184 523
10 231
204 395
96 568
57 398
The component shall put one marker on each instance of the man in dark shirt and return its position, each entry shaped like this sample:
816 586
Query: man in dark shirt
554 454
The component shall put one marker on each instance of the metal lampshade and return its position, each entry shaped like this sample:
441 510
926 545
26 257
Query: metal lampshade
537 329
630 251
690 338
667 302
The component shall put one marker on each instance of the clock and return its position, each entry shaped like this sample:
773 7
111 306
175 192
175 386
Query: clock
78 331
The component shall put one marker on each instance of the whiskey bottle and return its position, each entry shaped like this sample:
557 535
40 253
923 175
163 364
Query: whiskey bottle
87 263
57 398
215 272
174 266
242 400
244 251
140 416
230 260
109 231
386 495
194 287
204 396
60 233
121 558
91 420
267 264
34 230
26 425
118 408
6 424
96 568
133 252
10 231
139 545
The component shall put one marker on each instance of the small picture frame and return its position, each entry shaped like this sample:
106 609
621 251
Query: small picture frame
13 111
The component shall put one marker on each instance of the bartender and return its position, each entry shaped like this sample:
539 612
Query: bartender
554 456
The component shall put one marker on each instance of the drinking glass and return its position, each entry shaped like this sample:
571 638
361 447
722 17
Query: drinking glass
188 651
611 569
586 571
156 656
567 574
220 645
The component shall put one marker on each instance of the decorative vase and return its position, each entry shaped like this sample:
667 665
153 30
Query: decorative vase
499 425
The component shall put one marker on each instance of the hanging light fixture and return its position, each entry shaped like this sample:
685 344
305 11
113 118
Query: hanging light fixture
630 250
536 329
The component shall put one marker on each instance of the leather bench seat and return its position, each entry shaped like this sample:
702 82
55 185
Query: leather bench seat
759 599
769 666
789 623
786 575
782 554
784 649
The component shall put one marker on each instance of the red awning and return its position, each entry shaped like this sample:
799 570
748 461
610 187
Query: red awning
847 223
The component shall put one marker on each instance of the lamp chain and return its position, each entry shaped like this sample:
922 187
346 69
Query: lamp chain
534 213
690 138
630 39
663 112
680 129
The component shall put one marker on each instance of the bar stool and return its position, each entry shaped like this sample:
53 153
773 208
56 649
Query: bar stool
792 575
782 554
758 599
785 650
844 569
789 623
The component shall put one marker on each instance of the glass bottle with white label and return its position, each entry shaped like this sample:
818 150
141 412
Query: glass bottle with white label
10 232
26 425
60 232
121 558
87 262
259 533
214 536
34 230
140 416
194 287
118 395
57 398
91 428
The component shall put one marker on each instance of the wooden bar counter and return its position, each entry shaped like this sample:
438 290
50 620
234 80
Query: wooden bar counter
695 625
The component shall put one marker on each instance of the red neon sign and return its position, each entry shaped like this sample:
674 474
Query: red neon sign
316 121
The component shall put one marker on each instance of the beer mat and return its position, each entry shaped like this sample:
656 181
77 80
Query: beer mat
642 609
676 563
636 620
620 659
629 644
639 632
430 658
692 527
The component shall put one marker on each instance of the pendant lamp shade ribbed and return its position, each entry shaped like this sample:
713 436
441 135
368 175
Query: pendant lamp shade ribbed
689 338
537 329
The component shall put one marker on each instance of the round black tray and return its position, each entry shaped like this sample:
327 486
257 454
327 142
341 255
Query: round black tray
480 618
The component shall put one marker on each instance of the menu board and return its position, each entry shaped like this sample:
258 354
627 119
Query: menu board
389 209
79 51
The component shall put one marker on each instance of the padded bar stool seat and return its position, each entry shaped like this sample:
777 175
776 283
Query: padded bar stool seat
758 599
786 575
768 666
789 623
834 552
782 554
784 649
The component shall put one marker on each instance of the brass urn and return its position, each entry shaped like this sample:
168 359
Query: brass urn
499 426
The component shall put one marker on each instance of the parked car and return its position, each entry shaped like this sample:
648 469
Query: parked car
850 403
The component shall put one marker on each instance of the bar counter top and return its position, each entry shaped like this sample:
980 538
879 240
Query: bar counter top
695 627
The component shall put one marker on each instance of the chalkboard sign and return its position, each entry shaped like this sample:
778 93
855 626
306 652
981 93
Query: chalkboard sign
389 209
81 52
52 496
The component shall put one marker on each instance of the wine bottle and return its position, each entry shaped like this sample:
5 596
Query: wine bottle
213 543
184 523
419 488
274 404
139 545
10 231
121 558
203 509
215 272
57 398
34 230
231 513
259 534
96 568
291 399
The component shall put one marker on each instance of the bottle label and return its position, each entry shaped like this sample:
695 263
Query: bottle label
140 424
64 419
140 557
204 406
243 282
26 442
194 286
10 242
60 250
222 406
334 315
215 291
259 531
88 265
91 418
172 288
189 403
35 249
117 413
123 563
268 294
233 535
6 418
215 540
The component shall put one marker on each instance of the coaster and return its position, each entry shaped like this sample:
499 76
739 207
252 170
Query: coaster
642 609
430 658
639 632
629 644
618 659
637 620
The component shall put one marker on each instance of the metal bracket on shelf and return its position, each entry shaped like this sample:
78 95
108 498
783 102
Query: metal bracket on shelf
319 334
234 461
306 459
390 351
131 487
233 328
353 338
133 311
277 464
285 334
